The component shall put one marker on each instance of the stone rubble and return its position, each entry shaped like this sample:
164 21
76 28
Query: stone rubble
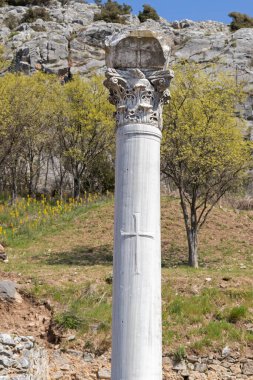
22 359
211 367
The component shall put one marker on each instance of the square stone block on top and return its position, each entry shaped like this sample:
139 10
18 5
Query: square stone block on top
139 48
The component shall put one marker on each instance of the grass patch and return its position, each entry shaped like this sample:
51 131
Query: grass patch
28 218
236 314
87 315
69 320
68 259
180 354
81 307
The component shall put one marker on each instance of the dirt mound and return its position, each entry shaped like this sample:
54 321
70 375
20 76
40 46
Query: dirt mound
25 317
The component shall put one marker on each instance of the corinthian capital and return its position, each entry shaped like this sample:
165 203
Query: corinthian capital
138 94
137 77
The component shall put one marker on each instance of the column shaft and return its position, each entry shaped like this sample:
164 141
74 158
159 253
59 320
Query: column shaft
137 342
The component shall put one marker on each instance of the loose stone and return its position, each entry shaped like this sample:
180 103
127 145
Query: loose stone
6 339
248 368
104 374
200 367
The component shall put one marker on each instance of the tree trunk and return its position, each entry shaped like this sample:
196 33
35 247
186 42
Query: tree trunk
191 228
46 175
192 238
30 183
77 186
14 188
30 175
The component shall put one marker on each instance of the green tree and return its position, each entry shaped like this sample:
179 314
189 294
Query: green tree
85 129
25 127
67 128
240 20
204 152
39 127
112 11
148 13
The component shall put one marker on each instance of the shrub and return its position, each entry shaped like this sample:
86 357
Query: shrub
240 20
112 11
179 354
64 2
28 2
3 61
32 14
148 13
69 320
11 21
236 314
44 3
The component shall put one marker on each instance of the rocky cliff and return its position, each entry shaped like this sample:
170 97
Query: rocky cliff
71 42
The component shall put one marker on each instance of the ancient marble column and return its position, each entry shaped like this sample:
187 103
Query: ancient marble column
138 82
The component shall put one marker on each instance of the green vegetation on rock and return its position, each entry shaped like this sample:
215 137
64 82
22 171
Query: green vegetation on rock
3 61
32 14
112 11
148 13
240 20
25 2
11 21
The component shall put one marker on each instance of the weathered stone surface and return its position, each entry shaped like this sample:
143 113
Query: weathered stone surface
22 359
180 366
138 48
6 339
104 374
248 368
200 367
138 95
226 352
7 291
218 368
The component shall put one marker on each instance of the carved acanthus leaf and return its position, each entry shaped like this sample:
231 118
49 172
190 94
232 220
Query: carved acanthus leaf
138 95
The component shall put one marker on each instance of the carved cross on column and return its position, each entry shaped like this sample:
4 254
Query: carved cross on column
137 234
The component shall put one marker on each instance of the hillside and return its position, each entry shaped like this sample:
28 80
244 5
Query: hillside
68 268
56 245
